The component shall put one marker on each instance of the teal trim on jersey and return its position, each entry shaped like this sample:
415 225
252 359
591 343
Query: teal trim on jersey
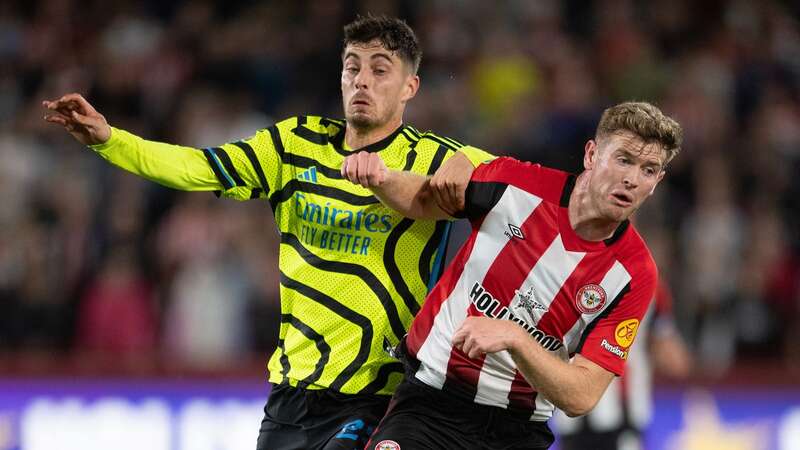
221 168
437 262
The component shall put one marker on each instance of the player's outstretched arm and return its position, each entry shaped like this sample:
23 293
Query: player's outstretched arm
406 192
173 166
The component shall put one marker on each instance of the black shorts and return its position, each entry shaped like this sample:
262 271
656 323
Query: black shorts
304 419
421 417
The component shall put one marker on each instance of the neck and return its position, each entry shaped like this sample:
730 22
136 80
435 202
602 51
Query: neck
585 216
356 138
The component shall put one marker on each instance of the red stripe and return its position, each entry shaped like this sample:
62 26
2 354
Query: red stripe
513 264
522 395
563 312
542 181
506 273
421 327
463 369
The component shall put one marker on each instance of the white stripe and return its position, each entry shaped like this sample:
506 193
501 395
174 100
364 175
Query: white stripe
544 408
546 278
613 283
513 208
494 382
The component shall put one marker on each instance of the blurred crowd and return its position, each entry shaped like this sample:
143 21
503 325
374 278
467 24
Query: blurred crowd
97 261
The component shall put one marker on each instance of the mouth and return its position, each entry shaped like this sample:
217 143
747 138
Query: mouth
622 198
360 102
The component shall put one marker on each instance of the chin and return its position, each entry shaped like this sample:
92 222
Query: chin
618 214
362 121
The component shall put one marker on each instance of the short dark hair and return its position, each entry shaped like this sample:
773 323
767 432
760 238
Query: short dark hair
394 34
644 120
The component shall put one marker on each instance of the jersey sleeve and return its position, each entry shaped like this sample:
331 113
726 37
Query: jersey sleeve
608 338
241 170
250 168
489 181
173 166
476 156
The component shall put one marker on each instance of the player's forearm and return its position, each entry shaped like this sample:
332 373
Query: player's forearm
566 385
173 166
408 193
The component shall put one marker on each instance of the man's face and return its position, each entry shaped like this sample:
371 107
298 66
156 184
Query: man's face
623 172
376 84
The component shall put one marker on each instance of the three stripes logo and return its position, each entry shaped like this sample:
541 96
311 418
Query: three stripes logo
309 174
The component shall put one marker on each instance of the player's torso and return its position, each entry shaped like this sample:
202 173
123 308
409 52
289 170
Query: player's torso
353 272
520 266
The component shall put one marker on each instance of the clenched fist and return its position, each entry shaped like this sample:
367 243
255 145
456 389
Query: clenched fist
364 168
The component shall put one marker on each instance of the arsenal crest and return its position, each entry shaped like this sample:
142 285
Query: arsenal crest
590 298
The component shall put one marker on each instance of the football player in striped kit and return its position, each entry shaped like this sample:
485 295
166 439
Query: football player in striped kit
540 307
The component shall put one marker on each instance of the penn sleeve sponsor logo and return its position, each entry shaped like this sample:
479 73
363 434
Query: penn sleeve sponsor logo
622 354
487 304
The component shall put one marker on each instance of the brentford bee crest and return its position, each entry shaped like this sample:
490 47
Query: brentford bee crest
590 298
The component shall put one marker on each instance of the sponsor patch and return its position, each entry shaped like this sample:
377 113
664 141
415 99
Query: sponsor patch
626 332
590 298
622 354
387 445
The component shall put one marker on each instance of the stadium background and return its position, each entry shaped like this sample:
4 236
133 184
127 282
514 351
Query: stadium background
129 308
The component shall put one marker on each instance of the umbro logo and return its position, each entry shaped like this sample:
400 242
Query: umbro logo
514 232
309 174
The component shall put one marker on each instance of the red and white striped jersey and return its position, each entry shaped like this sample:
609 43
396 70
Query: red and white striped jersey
524 262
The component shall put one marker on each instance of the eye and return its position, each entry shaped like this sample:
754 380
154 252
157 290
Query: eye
379 71
351 70
623 160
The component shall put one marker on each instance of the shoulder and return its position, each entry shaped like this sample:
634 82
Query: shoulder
317 124
534 178
430 141
633 253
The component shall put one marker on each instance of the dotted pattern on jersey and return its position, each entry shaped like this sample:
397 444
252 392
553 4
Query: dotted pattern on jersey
349 279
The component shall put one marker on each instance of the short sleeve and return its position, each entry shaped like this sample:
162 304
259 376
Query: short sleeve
608 338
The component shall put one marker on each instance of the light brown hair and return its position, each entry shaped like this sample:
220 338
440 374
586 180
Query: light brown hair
645 121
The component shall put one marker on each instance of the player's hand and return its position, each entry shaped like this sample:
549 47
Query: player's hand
77 116
449 183
364 168
478 336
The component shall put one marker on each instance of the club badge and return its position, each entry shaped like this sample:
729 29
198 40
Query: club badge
590 298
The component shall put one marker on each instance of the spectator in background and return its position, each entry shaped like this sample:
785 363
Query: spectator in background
118 315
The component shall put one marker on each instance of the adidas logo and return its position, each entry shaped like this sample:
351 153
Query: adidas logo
309 174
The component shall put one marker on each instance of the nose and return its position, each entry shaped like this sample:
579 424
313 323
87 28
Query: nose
631 178
362 79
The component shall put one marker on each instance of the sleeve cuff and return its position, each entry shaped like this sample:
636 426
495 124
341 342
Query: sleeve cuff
112 140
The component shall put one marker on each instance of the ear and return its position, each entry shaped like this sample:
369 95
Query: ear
411 88
589 154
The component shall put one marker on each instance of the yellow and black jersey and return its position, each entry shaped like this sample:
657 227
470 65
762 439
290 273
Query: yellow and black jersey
353 272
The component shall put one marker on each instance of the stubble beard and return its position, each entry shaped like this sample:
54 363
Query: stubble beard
362 122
